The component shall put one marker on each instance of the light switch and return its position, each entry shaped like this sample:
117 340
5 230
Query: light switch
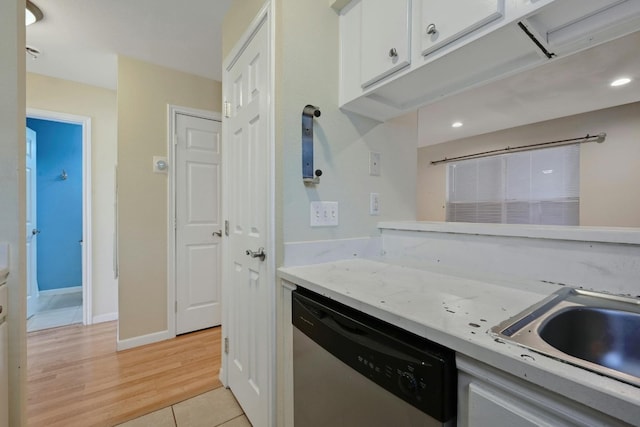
323 214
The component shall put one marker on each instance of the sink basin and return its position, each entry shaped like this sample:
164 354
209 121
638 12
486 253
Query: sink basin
596 331
610 338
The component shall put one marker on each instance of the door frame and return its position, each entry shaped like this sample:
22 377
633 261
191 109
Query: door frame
87 227
266 16
172 142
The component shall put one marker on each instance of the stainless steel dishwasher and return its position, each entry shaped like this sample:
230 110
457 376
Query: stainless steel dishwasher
351 369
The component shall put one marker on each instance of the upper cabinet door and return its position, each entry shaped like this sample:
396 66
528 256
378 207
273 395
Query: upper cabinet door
445 21
386 33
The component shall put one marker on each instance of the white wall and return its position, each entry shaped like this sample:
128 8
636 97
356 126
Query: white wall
308 73
12 195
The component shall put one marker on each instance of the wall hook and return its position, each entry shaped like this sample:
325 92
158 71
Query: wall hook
309 176
63 175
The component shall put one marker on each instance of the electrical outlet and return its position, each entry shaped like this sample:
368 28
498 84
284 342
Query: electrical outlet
374 204
374 163
323 214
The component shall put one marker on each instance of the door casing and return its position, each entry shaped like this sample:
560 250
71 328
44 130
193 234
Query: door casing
172 113
87 240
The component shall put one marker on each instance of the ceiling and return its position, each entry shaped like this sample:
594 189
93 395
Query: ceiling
563 87
79 40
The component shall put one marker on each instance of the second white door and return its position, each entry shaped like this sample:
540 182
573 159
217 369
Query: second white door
198 223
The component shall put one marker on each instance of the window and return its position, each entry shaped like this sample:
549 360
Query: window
531 187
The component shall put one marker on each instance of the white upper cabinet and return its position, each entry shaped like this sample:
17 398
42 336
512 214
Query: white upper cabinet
399 55
386 35
566 26
446 21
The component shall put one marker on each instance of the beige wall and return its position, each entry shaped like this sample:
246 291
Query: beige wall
237 19
144 90
12 195
63 96
609 172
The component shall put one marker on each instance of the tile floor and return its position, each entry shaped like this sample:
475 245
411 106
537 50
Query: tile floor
216 408
52 311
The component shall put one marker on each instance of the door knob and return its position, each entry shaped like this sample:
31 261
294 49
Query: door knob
257 254
35 231
217 233
431 29
393 53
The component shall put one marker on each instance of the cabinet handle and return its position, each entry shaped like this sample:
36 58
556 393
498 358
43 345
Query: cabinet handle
393 53
431 29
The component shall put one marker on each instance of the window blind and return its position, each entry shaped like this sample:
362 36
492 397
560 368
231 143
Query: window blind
531 187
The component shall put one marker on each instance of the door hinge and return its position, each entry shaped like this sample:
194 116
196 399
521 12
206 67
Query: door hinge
227 109
176 307
226 227
226 345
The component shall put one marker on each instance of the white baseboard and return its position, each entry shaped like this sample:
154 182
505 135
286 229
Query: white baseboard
107 317
142 340
60 291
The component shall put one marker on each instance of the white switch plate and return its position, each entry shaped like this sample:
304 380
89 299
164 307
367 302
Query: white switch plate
374 163
374 204
323 214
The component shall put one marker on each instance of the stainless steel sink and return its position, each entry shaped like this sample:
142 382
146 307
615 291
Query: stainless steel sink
596 331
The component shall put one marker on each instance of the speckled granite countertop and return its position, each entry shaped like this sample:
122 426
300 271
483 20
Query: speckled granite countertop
457 309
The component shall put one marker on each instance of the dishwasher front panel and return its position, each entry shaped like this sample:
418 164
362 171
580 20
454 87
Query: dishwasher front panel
328 393
353 370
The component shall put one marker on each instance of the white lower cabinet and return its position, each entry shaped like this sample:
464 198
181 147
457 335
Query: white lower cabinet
488 397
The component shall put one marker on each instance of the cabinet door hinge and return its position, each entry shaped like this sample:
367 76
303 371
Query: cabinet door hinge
227 109
226 227
226 345
176 307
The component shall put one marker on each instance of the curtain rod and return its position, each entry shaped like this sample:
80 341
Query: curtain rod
587 138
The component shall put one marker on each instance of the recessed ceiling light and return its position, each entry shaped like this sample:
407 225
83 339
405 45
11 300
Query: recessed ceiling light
456 124
620 82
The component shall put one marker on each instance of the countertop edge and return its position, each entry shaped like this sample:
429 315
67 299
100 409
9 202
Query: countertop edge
617 235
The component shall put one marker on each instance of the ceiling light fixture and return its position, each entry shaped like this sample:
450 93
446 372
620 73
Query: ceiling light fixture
32 13
456 124
621 81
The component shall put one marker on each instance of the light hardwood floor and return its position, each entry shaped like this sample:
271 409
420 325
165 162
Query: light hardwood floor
75 377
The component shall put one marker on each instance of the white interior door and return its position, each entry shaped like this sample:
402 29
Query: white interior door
32 224
247 144
198 224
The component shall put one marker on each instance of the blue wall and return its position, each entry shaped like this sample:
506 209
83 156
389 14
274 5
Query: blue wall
59 203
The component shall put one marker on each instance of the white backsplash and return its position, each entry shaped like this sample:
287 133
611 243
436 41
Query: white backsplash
601 266
315 252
